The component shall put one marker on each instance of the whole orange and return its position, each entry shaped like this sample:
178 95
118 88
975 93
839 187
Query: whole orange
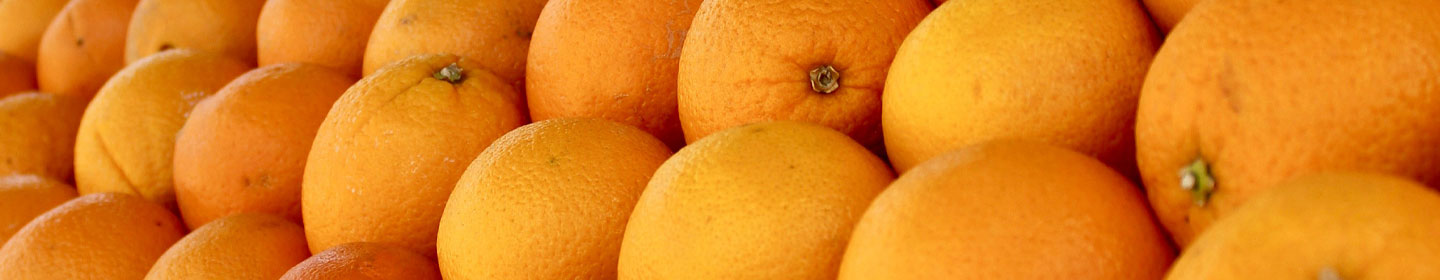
241 246
244 149
391 149
364 261
1008 209
773 200
559 190
1237 101
16 75
220 26
292 31
958 81
126 141
83 46
95 236
39 134
636 43
22 22
24 196
817 61
494 34
1323 226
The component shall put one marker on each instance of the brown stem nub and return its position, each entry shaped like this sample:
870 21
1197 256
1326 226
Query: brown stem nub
824 79
450 73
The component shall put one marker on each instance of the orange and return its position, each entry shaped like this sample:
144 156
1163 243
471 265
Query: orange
1008 209
126 141
1236 101
364 261
817 61
16 75
615 60
559 190
1066 73
293 31
83 46
1323 226
1169 12
495 34
24 196
773 200
22 22
96 236
219 26
39 134
391 149
243 246
244 149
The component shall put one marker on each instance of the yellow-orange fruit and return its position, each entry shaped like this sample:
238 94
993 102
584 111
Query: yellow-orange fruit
774 200
494 34
1248 93
1066 73
16 75
39 134
242 246
636 43
1013 210
364 261
226 27
291 31
126 141
391 149
1167 13
95 236
83 46
559 190
1323 226
818 61
22 22
24 196
244 149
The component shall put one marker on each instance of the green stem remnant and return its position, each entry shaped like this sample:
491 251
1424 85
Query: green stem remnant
450 73
1196 178
824 79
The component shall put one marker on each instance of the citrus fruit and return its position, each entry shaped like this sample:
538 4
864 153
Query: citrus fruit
24 196
1323 226
559 190
809 60
241 246
83 46
364 261
126 141
39 134
494 34
1008 209
1167 13
291 31
1236 101
391 149
244 149
773 200
95 236
220 26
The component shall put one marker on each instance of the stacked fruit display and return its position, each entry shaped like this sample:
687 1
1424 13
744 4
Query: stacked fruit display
719 139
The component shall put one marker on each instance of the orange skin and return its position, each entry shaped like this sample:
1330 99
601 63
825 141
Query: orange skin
495 34
1257 108
1009 210
24 196
559 190
365 261
290 31
391 149
39 136
773 200
126 141
16 75
244 149
1167 13
636 44
95 236
22 22
748 61
242 246
220 26
83 46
